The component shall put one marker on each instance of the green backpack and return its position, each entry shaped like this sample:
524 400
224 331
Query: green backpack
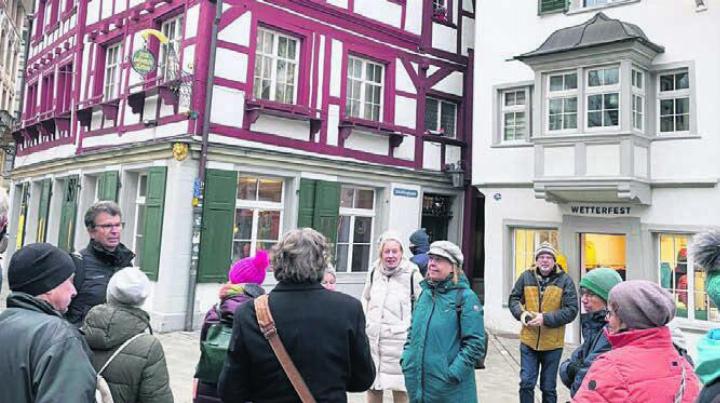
213 351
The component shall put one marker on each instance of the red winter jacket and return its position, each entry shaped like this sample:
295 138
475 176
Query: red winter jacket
643 366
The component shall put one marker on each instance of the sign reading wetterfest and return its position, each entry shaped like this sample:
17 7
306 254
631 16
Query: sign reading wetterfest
600 210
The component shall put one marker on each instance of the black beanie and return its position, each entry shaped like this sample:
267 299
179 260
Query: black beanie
38 268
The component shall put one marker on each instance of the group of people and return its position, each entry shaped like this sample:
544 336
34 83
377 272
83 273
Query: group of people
630 350
70 318
416 335
74 322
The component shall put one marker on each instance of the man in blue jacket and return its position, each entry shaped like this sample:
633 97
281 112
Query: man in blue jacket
594 290
419 246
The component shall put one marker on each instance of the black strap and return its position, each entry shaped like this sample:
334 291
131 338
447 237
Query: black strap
79 278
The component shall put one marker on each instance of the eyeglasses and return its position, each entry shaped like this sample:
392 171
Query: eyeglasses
609 314
107 227
435 258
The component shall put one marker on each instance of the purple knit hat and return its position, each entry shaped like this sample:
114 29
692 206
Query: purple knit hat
251 269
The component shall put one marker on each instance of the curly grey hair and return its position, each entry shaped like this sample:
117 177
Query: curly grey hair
301 256
105 206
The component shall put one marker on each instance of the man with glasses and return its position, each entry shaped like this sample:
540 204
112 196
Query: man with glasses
103 256
544 300
595 287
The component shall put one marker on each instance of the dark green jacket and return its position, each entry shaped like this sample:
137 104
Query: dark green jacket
139 373
440 353
43 358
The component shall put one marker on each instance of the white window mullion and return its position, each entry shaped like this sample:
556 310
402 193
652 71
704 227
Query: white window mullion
253 234
351 240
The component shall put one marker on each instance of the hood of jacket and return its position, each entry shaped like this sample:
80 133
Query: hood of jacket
120 257
233 295
653 337
592 323
107 326
445 285
708 367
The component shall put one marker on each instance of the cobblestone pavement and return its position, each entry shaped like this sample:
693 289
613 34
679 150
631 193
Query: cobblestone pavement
498 383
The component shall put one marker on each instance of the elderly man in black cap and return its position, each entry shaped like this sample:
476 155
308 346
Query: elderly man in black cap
43 357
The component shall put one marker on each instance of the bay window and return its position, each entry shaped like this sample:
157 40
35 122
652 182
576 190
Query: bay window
258 215
355 229
365 81
638 99
562 102
603 97
276 67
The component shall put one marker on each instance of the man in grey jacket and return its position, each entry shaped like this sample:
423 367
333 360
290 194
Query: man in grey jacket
44 358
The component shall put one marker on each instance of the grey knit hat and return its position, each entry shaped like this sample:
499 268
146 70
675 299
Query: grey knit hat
642 304
128 286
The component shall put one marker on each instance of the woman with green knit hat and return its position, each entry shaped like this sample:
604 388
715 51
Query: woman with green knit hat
706 254
594 290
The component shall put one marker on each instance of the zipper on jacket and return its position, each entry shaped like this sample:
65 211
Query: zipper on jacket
427 326
540 298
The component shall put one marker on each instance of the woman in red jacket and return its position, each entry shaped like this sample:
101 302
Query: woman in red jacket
643 365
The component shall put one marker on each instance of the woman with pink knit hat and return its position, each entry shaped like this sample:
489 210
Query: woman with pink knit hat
244 283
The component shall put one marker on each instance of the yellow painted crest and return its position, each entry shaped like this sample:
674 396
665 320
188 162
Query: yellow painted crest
180 151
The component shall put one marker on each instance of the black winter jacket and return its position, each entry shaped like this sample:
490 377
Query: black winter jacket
43 358
139 373
96 267
710 392
324 334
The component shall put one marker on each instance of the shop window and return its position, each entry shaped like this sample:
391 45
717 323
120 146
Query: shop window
524 243
258 215
674 102
678 276
365 81
276 67
169 59
355 229
440 117
603 250
562 102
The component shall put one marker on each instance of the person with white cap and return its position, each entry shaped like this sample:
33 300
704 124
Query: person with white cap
544 300
131 359
447 335
43 357
391 289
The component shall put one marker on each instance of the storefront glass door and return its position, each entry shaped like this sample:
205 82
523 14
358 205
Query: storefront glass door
602 250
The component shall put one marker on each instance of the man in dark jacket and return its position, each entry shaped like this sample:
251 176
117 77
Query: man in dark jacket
323 332
43 358
594 290
544 300
419 246
103 256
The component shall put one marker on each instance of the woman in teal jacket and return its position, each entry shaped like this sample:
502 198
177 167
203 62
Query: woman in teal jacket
447 334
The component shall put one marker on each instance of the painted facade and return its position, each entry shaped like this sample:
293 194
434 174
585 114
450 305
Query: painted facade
596 132
350 116
13 26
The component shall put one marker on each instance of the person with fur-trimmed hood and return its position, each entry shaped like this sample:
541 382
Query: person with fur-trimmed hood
706 254
544 300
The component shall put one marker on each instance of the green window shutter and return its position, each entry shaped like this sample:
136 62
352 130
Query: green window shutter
552 6
306 208
108 184
66 236
152 232
43 210
327 209
217 225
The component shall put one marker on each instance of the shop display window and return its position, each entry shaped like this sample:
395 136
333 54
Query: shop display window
525 241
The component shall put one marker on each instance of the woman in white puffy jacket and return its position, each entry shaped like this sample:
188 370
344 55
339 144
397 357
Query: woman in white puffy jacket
391 289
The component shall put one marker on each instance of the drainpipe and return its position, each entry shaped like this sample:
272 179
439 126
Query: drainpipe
200 183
